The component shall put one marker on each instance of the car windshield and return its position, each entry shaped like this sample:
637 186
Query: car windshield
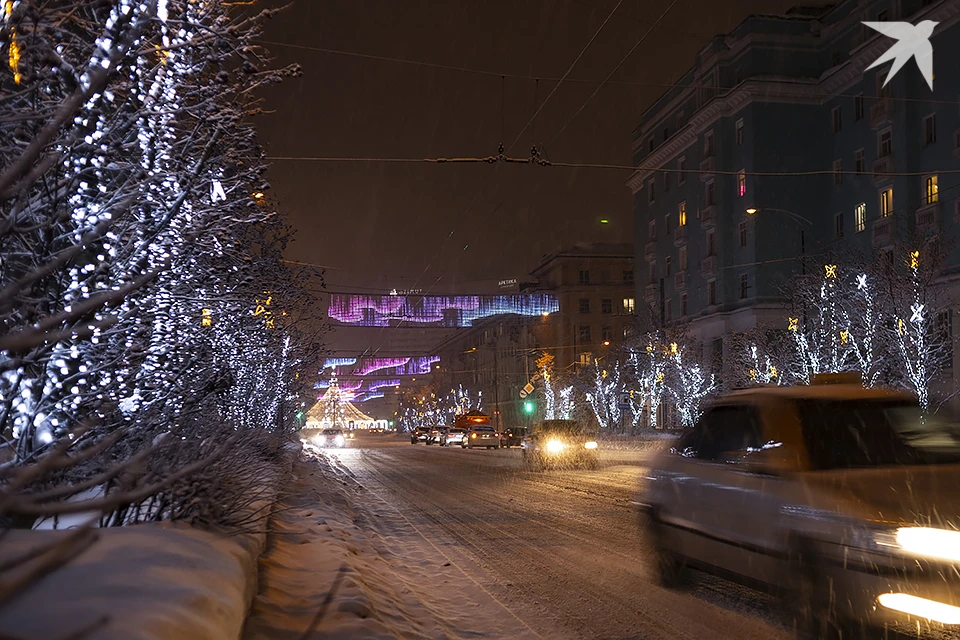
455 431
848 434
483 429
332 432
566 427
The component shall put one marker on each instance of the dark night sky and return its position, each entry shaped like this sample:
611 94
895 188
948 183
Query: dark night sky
389 225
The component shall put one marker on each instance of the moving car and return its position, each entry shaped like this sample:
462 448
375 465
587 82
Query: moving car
844 500
513 437
453 436
331 438
435 435
419 434
481 436
560 443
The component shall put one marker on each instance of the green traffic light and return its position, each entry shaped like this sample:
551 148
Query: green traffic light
528 407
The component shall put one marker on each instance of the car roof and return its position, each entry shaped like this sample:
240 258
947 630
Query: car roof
815 392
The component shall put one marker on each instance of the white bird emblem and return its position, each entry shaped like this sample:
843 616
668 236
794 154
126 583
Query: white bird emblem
912 42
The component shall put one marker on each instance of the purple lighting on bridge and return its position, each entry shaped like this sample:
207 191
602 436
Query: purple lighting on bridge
452 311
369 365
380 384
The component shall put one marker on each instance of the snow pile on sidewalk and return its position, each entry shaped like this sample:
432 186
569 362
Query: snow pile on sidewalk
150 581
403 589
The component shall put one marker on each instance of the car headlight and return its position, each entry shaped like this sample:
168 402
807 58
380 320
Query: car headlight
554 446
340 440
590 445
942 544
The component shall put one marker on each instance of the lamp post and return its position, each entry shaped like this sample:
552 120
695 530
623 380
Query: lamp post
795 217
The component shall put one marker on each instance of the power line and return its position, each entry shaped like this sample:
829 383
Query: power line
610 75
619 167
565 75
534 78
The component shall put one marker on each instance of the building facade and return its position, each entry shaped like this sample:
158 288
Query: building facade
792 94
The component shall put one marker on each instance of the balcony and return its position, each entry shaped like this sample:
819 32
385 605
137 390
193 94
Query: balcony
881 112
680 235
927 218
883 231
650 292
650 250
708 217
882 166
707 168
708 265
680 280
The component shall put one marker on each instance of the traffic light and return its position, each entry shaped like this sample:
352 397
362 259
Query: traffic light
528 407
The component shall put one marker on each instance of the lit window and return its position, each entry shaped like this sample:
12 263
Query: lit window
931 192
742 183
682 214
860 217
629 304
886 202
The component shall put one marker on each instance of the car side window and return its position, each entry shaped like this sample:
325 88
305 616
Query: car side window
729 433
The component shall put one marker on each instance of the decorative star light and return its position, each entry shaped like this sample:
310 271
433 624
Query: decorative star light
900 326
914 259
773 371
673 348
793 324
862 281
753 374
205 319
831 270
917 310
844 335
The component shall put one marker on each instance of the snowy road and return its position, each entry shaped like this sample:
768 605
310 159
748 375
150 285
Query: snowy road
560 549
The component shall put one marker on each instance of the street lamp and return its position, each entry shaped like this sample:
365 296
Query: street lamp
796 217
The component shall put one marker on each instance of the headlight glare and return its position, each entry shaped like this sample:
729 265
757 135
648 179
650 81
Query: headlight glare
590 445
555 446
932 543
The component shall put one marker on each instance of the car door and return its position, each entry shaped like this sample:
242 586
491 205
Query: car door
739 497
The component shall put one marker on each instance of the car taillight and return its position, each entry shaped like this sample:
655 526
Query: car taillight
473 435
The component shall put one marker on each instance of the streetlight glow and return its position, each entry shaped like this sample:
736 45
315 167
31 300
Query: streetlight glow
751 211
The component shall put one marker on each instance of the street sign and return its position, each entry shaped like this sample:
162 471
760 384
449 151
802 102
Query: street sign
624 400
523 393
528 388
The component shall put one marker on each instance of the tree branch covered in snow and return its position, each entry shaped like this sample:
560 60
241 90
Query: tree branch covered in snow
146 314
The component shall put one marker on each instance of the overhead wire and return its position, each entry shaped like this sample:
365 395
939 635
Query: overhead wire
610 75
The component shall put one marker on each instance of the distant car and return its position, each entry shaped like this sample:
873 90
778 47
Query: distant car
560 443
331 438
350 435
481 436
513 437
453 436
845 500
419 434
435 435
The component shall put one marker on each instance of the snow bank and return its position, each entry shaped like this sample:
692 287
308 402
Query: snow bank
151 581
146 582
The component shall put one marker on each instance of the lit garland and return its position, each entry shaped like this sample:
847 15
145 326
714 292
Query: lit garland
13 47
695 385
452 311
333 363
367 366
380 384
603 395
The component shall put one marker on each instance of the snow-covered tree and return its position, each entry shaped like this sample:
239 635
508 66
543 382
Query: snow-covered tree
602 387
690 384
142 290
